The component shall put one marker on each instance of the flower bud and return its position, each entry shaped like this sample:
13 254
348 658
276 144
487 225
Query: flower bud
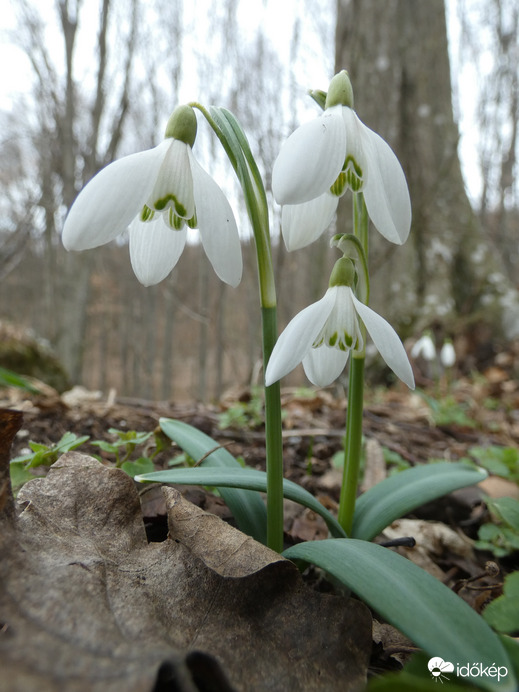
182 125
340 91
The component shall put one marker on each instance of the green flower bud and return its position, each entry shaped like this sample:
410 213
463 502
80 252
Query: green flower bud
182 125
343 273
340 91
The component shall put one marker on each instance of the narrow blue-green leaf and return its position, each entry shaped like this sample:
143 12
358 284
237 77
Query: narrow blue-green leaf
252 479
417 604
246 506
404 491
8 378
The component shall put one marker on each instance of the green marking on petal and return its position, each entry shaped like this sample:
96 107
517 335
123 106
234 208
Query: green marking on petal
175 222
332 340
353 172
170 199
339 186
192 222
147 214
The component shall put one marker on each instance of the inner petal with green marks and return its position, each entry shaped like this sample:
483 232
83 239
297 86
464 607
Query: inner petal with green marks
173 188
350 177
342 329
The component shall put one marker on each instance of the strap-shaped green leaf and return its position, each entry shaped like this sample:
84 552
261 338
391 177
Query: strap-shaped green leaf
427 611
252 479
401 493
246 505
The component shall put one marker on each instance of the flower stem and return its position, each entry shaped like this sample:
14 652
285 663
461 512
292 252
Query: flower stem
353 445
273 439
233 139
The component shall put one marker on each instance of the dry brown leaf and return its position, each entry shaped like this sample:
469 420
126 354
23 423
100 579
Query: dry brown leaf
88 604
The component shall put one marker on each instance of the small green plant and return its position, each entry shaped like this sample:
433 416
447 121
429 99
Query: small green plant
503 612
448 411
500 461
244 414
125 444
501 537
46 455
122 448
41 455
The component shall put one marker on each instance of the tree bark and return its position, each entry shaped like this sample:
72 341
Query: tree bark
447 273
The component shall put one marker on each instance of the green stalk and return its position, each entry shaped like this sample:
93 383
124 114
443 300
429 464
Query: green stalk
230 134
273 438
353 445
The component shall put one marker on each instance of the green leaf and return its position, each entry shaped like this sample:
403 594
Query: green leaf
397 495
507 509
19 474
413 601
251 479
503 613
11 379
247 506
134 468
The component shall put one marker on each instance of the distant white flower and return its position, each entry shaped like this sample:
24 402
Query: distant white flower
424 347
328 155
322 335
447 355
156 193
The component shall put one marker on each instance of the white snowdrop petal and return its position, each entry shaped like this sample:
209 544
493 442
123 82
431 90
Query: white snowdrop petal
387 342
154 249
323 365
297 339
301 224
217 226
385 192
311 159
108 203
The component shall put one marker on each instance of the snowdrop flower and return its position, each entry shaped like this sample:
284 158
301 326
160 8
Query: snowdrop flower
447 354
424 347
322 335
330 154
158 193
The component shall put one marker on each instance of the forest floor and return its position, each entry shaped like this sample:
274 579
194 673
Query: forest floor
472 418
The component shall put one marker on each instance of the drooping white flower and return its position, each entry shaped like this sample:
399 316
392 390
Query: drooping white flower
424 347
322 335
447 354
157 193
330 154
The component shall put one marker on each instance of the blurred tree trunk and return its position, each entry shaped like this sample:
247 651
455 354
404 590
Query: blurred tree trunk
447 273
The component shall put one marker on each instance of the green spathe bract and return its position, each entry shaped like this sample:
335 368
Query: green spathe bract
340 91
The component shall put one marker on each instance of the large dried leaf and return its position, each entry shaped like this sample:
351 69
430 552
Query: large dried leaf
88 604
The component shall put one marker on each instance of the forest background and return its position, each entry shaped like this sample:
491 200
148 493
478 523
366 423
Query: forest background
91 82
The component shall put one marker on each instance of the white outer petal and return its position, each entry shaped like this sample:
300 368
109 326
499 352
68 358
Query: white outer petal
387 342
301 224
217 226
385 192
154 249
311 159
323 365
111 200
297 339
